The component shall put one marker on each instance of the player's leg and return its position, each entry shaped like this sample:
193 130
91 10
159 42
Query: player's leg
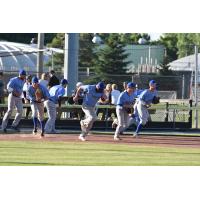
120 117
18 116
40 107
92 117
83 128
11 104
143 116
50 106
34 116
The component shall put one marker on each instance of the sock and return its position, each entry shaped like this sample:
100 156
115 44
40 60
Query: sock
139 127
35 122
42 125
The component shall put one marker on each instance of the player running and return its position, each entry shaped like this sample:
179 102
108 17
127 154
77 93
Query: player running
144 101
92 93
123 109
56 93
38 94
15 89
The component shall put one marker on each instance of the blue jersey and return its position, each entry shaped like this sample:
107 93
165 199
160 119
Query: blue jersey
138 92
147 96
32 90
16 84
56 92
126 99
91 96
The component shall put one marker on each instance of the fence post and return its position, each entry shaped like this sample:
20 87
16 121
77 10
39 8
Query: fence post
167 112
190 114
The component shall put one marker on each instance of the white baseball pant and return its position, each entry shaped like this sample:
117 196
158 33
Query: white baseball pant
90 118
51 111
142 112
123 120
38 110
13 102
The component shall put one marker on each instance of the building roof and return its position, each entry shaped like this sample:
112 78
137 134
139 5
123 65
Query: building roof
14 56
185 64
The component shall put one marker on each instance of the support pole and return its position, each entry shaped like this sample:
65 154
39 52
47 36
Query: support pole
196 86
40 54
71 60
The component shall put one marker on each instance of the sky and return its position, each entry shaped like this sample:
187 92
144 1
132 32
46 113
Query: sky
155 36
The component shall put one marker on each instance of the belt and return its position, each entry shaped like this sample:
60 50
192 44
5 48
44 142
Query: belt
14 95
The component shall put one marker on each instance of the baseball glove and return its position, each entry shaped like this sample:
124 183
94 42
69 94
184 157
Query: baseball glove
38 95
156 100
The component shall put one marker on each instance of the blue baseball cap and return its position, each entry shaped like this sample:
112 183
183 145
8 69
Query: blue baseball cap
22 72
152 82
100 85
35 79
131 85
64 82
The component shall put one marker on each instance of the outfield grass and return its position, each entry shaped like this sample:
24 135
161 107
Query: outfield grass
85 154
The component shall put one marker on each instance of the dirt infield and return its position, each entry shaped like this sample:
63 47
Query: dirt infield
145 140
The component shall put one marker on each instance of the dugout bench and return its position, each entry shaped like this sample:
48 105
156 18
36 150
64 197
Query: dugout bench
164 116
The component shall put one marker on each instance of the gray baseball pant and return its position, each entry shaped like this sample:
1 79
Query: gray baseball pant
123 120
37 110
90 118
51 111
143 113
13 102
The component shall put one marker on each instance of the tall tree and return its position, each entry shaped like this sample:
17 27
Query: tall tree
169 40
86 50
58 42
25 37
186 42
111 58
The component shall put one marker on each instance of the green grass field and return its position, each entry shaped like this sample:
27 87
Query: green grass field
86 154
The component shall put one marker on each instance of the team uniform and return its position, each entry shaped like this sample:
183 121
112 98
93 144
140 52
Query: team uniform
56 92
37 105
15 89
91 96
141 112
124 104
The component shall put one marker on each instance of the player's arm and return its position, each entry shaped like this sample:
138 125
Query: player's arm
45 93
61 93
75 98
31 94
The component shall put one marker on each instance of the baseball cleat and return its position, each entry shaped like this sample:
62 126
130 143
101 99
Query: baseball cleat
41 135
34 131
135 135
117 138
82 138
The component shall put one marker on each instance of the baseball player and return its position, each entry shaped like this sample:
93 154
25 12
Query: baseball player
15 88
92 93
37 94
124 104
144 101
26 99
56 93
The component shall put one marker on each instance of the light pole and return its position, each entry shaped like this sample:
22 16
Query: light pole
40 54
71 52
196 86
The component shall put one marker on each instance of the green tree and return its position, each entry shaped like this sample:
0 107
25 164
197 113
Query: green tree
25 37
86 50
58 42
164 68
169 40
186 42
111 58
